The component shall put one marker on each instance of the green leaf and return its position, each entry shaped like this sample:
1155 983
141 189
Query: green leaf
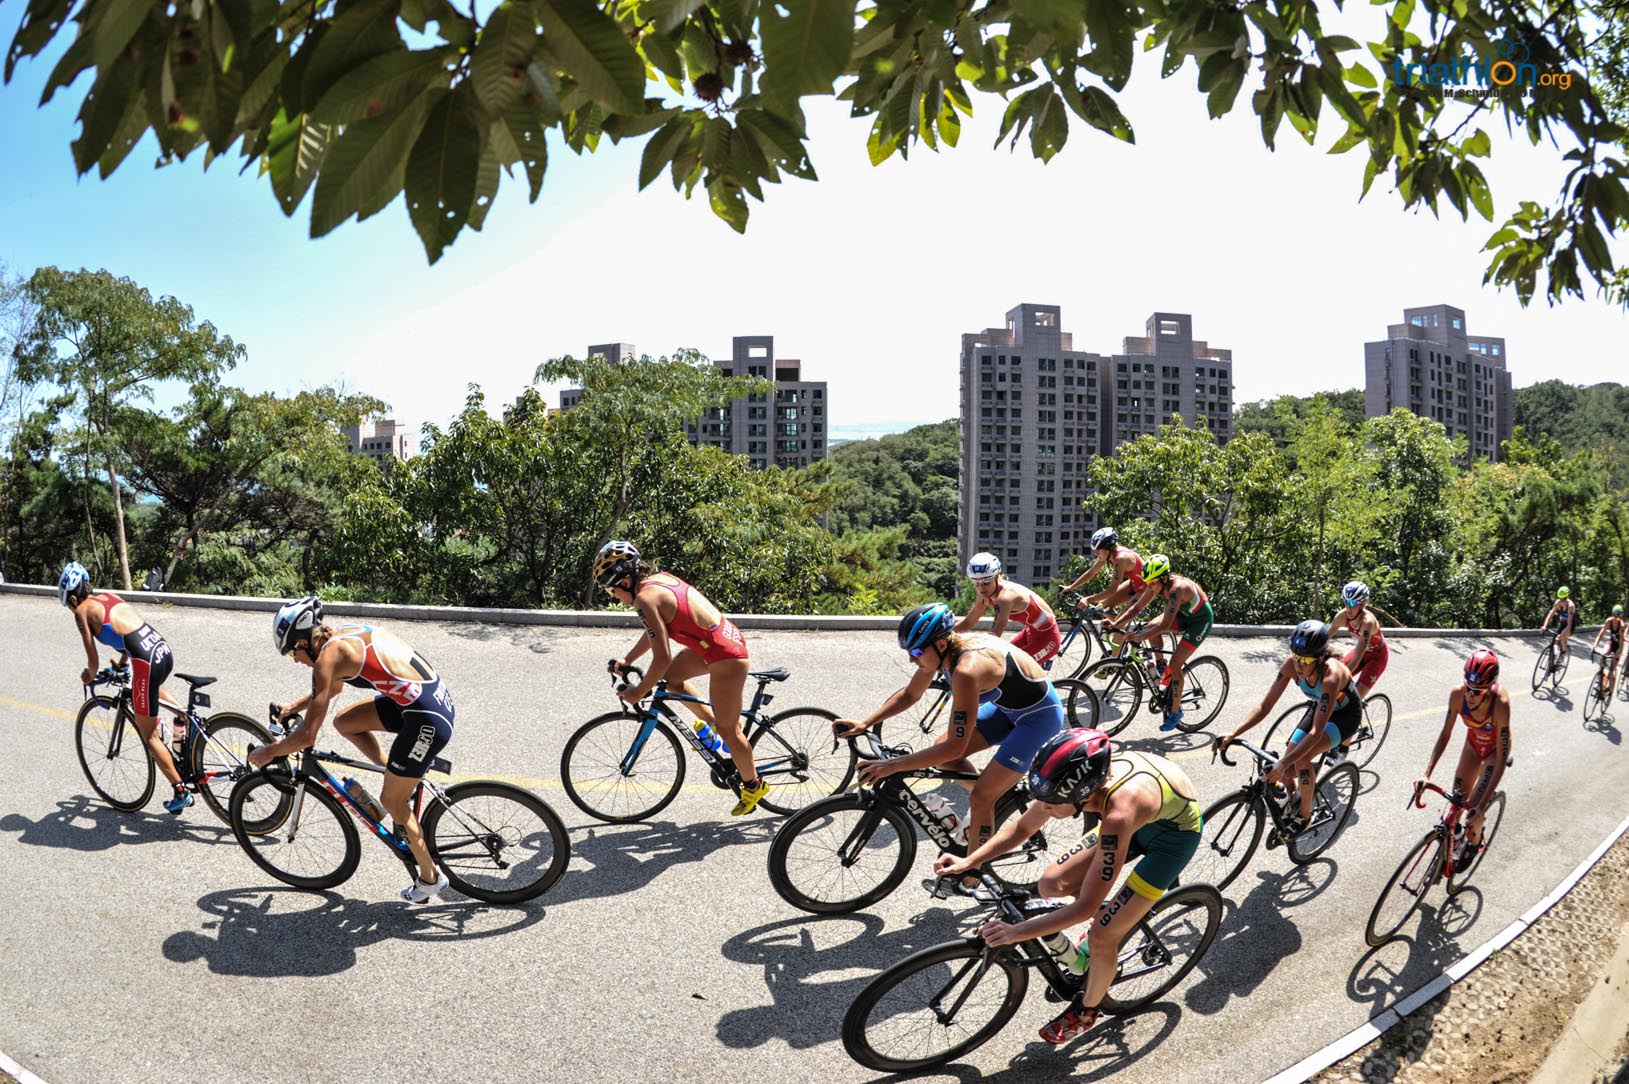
363 32
40 24
113 24
1361 76
806 46
662 55
1476 187
1354 136
294 153
132 126
1113 41
668 15
728 202
1221 98
593 50
380 83
661 147
487 180
620 126
104 107
502 52
442 172
1102 112
1059 18
1477 145
362 171
1050 129
780 140
260 88
519 136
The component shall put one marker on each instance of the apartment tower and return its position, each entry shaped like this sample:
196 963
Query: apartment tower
1430 366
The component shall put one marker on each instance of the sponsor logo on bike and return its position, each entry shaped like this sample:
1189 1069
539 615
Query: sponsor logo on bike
930 823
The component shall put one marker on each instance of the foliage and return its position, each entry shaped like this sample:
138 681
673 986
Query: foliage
896 500
1595 417
1278 418
327 97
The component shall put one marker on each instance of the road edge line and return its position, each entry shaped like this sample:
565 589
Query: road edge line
23 1076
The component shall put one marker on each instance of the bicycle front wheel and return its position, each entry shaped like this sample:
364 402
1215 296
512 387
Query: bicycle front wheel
934 1006
116 761
621 768
1491 820
1204 691
841 854
1405 891
1332 806
496 842
1372 732
801 759
1592 698
219 757
1541 667
1562 659
1080 704
295 831
1119 688
1075 653
1164 947
1230 835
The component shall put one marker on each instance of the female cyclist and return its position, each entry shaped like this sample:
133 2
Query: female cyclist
1186 608
1317 669
1612 630
1150 812
1565 611
1000 697
1038 634
1127 575
103 617
1369 657
412 702
709 643
1485 708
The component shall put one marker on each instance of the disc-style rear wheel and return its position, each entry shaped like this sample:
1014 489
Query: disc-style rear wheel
934 1006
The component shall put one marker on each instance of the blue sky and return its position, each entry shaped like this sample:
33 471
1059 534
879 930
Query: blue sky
869 276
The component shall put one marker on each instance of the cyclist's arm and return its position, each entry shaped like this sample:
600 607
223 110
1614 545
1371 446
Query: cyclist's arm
1003 614
82 619
1456 700
641 646
1136 606
1167 621
1364 639
1012 833
1084 577
900 700
1548 618
1113 839
971 620
1259 712
656 639
964 711
326 683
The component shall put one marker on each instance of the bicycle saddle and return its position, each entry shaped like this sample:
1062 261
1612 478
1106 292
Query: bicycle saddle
780 673
195 681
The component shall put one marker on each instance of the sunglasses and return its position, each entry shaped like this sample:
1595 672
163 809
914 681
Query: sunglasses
1305 660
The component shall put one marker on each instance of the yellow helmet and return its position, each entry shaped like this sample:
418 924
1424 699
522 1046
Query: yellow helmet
614 561
1155 567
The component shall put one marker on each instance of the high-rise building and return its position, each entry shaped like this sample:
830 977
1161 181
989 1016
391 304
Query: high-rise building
1430 366
381 439
1035 412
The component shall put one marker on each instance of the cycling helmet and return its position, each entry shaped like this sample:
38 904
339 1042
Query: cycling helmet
1617 611
1155 567
1562 592
74 582
924 624
1105 538
294 620
1355 592
1071 765
1309 638
1481 669
984 567
615 561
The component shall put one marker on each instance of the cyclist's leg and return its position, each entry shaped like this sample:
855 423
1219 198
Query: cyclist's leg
1477 778
686 666
726 680
360 722
1172 679
150 664
1296 765
423 733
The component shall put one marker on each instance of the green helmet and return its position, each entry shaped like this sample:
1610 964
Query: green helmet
1155 567
1562 592
1617 611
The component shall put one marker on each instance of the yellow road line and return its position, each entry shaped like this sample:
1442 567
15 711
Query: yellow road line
40 709
1204 750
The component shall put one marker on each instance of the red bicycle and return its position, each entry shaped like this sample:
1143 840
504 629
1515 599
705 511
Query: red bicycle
1441 853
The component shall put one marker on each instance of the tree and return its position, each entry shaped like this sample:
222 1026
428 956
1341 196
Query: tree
1279 417
328 98
107 340
1331 487
1413 463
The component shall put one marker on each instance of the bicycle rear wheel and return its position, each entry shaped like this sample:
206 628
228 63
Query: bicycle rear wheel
1491 820
1559 671
1405 891
116 761
496 842
1372 731
1119 688
1204 691
1332 806
934 1006
1296 715
296 832
606 778
841 854
219 757
1592 698
1075 653
1080 704
1164 947
801 759
1231 834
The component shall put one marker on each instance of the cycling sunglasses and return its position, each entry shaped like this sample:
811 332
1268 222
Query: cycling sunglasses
1306 660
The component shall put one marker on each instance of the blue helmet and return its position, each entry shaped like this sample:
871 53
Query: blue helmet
74 581
1309 638
925 624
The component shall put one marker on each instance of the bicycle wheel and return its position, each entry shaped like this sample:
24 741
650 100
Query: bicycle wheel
1332 805
1490 827
116 761
1229 837
1022 868
934 1006
1559 671
841 854
1204 691
219 758
1119 687
1296 715
801 759
1075 653
1164 947
311 844
1541 667
1080 704
1405 891
606 779
1372 732
496 842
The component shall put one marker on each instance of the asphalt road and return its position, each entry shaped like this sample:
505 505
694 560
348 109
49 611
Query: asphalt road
142 947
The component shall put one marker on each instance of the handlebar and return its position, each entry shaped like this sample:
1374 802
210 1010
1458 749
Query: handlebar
874 749
111 675
1261 754
1418 800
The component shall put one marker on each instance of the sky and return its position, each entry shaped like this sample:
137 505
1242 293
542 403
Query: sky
869 276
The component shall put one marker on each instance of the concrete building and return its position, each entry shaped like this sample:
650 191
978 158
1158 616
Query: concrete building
1431 366
381 439
1035 412
620 353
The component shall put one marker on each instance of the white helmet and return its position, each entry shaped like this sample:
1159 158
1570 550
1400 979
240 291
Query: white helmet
74 582
983 567
1355 592
295 619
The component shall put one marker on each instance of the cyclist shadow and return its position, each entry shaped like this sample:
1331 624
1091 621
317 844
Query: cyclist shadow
1256 936
253 938
1402 965
1561 698
1598 725
1111 1046
1167 744
82 823
627 857
1368 780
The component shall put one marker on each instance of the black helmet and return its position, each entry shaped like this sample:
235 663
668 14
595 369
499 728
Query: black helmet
1309 638
1069 766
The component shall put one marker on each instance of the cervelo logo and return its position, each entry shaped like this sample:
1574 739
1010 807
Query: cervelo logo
930 823
1510 65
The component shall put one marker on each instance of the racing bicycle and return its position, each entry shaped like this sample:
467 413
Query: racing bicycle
1598 698
1120 684
1440 853
1551 665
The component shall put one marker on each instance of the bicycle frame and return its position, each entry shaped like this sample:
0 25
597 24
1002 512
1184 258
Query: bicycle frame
1445 827
313 767
120 701
1256 789
656 708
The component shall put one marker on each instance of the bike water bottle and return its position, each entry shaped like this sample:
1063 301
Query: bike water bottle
359 794
1083 957
944 811
1061 948
178 733
710 739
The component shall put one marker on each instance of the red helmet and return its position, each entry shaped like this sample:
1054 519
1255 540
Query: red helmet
1481 669
1071 765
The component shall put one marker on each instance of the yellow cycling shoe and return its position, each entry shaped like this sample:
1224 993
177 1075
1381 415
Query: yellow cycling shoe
750 797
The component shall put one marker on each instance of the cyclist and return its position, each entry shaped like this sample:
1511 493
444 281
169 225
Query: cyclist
1150 814
1186 608
105 618
1485 708
1127 566
1038 635
412 702
1369 657
709 643
1565 612
1317 669
1000 697
1612 629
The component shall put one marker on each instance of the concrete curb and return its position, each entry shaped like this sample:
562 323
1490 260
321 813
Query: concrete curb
1360 1037
23 1075
626 619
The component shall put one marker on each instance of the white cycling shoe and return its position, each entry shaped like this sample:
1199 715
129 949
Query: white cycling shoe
419 892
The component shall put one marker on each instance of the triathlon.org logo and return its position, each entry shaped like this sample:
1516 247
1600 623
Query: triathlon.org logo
1463 76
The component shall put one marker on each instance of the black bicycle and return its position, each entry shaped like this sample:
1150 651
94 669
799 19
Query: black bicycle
1366 741
1551 665
496 842
119 765
1120 684
850 850
943 1002
1080 703
627 765
1233 825
1599 696
1084 632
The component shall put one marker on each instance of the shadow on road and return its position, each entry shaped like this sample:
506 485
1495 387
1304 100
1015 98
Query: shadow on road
1256 935
534 639
1167 744
1601 724
282 932
627 857
82 823
1385 975
1260 654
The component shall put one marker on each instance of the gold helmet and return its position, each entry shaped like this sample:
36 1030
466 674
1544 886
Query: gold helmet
614 562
